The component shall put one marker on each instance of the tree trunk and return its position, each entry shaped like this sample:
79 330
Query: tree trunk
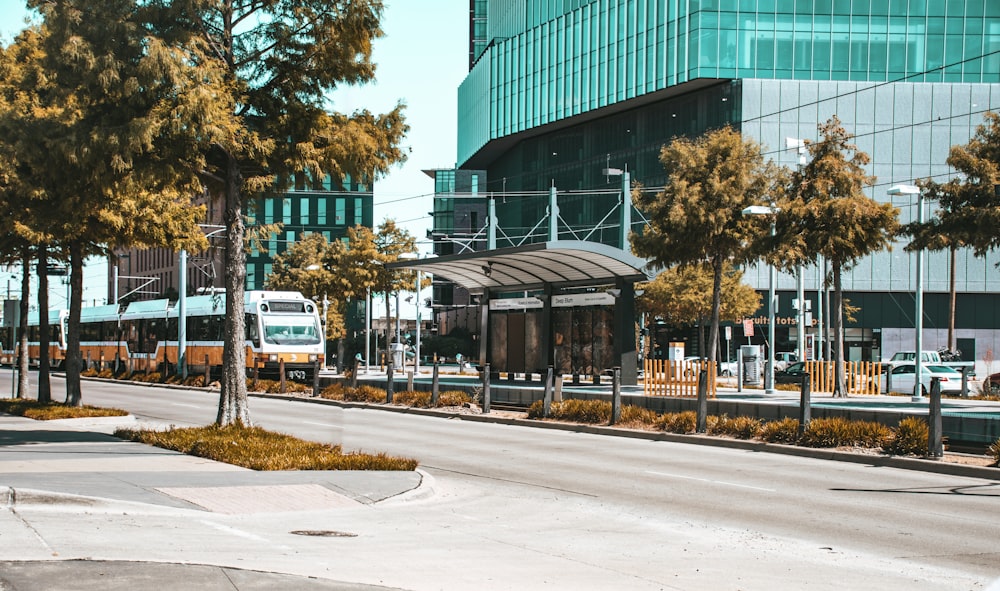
74 396
839 384
713 334
233 406
701 336
22 331
952 346
44 386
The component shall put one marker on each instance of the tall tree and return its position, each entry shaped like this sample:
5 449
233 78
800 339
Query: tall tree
24 212
939 233
280 60
112 112
828 214
968 206
697 218
677 296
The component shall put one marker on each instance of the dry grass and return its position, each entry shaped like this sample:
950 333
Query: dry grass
258 449
32 409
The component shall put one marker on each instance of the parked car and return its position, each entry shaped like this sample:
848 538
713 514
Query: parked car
726 368
991 385
792 374
903 378
782 360
932 358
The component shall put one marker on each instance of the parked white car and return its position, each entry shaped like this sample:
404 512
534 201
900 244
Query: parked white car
783 360
726 368
903 378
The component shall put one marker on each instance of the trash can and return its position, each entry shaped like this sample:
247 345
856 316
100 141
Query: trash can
397 355
751 364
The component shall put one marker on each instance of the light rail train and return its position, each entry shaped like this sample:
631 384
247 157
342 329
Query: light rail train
282 328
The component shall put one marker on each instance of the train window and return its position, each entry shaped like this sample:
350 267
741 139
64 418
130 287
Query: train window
90 331
252 333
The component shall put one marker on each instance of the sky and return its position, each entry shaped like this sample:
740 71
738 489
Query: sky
421 60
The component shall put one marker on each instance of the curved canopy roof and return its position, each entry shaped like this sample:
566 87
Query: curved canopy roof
561 263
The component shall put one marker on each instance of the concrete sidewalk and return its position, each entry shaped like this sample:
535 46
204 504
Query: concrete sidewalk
117 492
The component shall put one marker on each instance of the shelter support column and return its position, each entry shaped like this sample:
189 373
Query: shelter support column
547 345
624 335
484 327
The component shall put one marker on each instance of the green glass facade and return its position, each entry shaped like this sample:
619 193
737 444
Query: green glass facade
551 61
565 89
329 208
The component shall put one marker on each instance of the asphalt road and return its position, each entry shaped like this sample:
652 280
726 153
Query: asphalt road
517 507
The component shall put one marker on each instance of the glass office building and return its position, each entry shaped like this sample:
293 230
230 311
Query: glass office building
329 208
561 90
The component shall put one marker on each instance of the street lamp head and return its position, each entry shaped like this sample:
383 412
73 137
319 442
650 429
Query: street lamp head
761 210
903 190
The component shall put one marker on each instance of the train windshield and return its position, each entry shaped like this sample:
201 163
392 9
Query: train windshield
291 330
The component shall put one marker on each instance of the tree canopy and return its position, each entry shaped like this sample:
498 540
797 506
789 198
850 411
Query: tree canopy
828 214
697 218
93 110
279 60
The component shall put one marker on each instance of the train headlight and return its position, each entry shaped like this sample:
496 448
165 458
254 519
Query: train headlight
313 357
272 357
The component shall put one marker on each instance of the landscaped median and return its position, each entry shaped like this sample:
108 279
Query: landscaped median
239 445
908 439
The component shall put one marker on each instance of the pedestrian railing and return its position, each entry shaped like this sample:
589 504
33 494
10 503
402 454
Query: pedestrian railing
662 377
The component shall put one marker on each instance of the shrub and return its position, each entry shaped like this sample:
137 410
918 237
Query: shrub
89 373
453 398
784 431
33 409
838 431
678 422
257 449
823 433
637 416
365 393
909 438
738 427
579 411
994 452
871 434
105 373
582 411
333 392
412 398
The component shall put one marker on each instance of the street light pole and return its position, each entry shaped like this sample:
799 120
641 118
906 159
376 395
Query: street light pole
918 293
772 303
416 351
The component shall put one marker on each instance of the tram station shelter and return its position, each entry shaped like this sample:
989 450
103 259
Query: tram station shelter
565 303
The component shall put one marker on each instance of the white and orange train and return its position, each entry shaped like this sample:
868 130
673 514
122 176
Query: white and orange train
282 328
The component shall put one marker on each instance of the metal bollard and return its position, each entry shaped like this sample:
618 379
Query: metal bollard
316 378
702 415
616 395
281 376
354 374
547 398
389 385
486 388
935 444
805 404
435 383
